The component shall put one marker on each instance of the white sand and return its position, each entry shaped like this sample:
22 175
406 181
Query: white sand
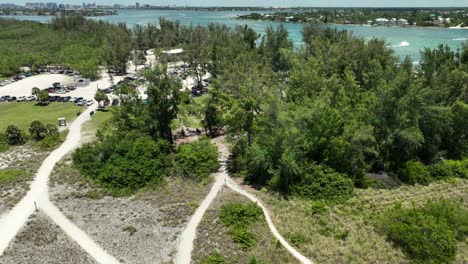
41 81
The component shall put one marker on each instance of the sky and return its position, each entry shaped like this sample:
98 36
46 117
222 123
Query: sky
280 3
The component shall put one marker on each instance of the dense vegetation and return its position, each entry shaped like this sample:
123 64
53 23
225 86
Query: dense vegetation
428 234
74 42
138 152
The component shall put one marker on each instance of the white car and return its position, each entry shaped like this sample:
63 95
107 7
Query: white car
89 102
31 98
21 99
81 103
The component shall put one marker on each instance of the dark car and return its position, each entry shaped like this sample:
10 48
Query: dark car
56 84
78 99
72 87
66 99
12 99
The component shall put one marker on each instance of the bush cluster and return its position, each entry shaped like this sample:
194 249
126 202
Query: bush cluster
125 164
197 159
428 234
321 183
416 172
239 217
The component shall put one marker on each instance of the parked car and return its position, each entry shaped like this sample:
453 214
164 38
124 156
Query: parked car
78 99
72 87
81 102
56 84
21 99
66 99
31 98
12 99
89 102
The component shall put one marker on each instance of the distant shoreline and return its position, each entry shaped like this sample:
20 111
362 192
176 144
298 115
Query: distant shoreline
361 25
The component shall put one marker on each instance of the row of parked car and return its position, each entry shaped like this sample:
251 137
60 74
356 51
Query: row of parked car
7 98
17 78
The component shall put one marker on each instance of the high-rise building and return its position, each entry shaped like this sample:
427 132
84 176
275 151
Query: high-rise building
137 5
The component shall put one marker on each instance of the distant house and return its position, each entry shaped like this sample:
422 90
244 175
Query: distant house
382 21
288 19
402 22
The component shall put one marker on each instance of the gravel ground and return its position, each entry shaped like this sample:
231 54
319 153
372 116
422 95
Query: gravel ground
140 229
26 158
41 241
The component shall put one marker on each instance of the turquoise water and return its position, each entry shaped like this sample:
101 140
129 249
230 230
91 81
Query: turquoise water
405 41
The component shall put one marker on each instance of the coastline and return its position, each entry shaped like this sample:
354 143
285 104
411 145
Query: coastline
362 25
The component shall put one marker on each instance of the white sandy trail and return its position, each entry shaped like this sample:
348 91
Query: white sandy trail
235 187
11 223
185 247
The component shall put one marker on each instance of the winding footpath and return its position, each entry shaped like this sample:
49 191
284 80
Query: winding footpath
185 246
11 223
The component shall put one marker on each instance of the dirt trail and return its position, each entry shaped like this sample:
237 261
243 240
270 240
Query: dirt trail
185 247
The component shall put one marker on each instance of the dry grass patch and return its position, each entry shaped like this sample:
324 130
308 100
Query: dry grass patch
40 241
24 161
346 233
214 236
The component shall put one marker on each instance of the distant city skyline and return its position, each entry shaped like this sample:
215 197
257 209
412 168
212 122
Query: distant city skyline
268 3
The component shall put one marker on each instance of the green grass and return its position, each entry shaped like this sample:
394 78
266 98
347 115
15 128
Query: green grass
99 121
22 114
11 175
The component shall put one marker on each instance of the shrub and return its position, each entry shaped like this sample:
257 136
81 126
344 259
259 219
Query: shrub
452 213
427 234
130 229
3 143
242 236
51 141
415 172
450 168
14 136
123 165
239 217
297 239
198 159
318 207
214 258
239 214
319 182
11 175
37 130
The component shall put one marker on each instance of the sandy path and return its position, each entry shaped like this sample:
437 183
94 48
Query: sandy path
185 247
235 187
11 223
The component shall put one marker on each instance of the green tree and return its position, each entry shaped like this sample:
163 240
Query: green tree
43 97
14 136
163 100
37 130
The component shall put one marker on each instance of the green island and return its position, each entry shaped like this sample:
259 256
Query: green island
403 17
359 156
